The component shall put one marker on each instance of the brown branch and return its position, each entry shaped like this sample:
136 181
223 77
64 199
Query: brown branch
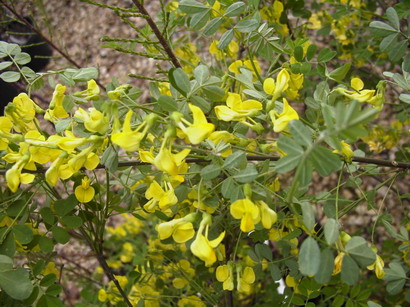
48 41
157 33
387 163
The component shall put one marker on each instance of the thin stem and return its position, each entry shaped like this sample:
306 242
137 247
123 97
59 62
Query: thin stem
157 33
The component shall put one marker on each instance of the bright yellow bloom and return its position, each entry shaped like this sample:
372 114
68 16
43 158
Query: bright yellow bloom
378 266
247 212
84 192
22 113
235 66
224 274
338 263
94 120
202 247
119 91
91 93
102 295
199 130
228 138
236 109
5 127
157 196
268 216
231 50
191 301
281 121
14 175
346 151
245 279
180 229
129 139
359 94
276 89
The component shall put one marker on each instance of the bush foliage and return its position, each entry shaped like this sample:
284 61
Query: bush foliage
210 193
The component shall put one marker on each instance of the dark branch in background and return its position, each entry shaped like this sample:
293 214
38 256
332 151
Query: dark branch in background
386 163
49 42
157 33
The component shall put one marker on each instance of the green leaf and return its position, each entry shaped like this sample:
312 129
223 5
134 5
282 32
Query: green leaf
350 271
394 287
398 50
263 251
326 55
230 189
23 233
406 63
72 221
8 246
6 263
64 206
246 175
373 304
382 29
235 9
110 159
226 38
311 51
10 76
13 49
301 133
388 42
201 74
214 92
324 161
46 244
210 171
287 163
22 58
394 272
393 17
85 74
339 73
359 250
275 272
167 103
60 234
5 64
179 80
199 20
51 301
236 159
405 98
326 266
213 26
331 230
16 283
309 257
192 7
47 215
246 26
298 53
54 290
308 215
48 280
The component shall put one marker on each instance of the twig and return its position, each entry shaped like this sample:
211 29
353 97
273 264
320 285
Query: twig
157 33
380 162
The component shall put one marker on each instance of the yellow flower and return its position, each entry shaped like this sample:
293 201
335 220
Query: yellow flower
281 121
235 67
5 127
102 295
268 216
346 151
276 89
91 93
247 212
170 163
245 279
236 109
191 301
359 94
94 120
157 196
199 130
22 112
129 139
338 263
84 192
202 247
378 266
231 50
224 274
180 229
119 91
14 175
